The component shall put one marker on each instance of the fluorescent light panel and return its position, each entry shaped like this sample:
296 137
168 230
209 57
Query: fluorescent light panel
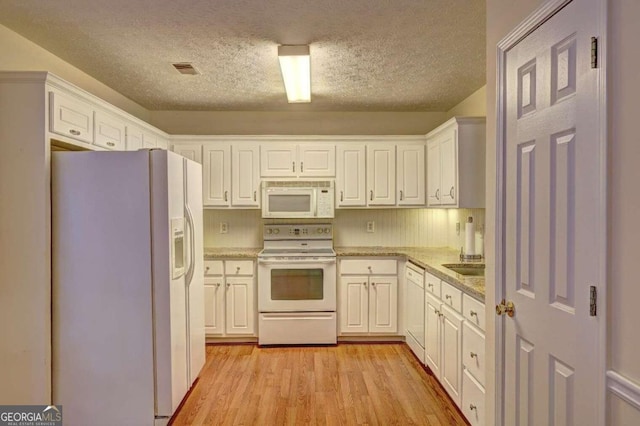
295 65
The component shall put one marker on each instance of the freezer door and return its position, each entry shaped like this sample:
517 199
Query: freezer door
169 296
195 272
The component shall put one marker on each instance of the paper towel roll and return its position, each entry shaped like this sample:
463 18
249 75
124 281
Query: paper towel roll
479 243
470 237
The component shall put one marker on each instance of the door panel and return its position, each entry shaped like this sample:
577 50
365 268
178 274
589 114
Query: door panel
383 304
350 176
317 160
354 304
245 182
381 175
552 251
449 168
217 175
240 306
411 179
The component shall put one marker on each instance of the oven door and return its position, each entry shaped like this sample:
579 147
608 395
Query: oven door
288 203
301 285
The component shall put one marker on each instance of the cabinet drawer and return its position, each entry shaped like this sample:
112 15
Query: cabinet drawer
432 284
473 351
238 267
412 274
213 267
110 132
473 311
369 266
472 400
451 296
71 117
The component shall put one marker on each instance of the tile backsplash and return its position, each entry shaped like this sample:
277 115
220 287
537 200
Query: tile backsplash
393 227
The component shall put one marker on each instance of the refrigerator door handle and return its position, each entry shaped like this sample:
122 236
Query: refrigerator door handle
192 245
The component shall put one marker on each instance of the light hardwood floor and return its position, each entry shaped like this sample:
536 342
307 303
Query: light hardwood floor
348 384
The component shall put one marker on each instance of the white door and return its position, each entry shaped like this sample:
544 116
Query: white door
354 304
240 305
192 151
432 331
381 175
245 169
433 173
216 177
351 186
411 175
449 168
194 279
279 160
553 249
317 160
214 305
383 304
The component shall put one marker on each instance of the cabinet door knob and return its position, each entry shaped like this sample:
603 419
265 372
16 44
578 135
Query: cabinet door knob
111 144
473 355
364 283
473 313
472 407
217 284
237 269
447 296
74 132
373 284
228 285
206 269
430 285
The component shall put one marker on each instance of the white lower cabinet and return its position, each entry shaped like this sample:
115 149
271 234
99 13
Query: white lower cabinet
368 296
473 360
472 400
229 292
443 339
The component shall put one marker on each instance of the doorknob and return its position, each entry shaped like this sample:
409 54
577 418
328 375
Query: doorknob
506 308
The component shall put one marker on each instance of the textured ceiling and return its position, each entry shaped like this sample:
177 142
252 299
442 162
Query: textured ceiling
366 55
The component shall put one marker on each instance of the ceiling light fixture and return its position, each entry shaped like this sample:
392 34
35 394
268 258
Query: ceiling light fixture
295 65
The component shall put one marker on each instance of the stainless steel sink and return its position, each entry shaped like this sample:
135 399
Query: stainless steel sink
468 270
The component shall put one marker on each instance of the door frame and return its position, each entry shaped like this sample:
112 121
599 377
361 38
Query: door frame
527 26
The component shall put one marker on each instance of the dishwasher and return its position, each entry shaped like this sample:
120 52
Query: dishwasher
414 276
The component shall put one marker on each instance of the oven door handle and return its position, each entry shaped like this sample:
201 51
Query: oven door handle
296 261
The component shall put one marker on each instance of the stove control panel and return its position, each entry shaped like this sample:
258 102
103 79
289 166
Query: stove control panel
316 231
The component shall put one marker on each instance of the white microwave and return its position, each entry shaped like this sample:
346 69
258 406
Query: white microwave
297 199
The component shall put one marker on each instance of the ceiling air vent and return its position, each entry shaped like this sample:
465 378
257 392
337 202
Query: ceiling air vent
186 68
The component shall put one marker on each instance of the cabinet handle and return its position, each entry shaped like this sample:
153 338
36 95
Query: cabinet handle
430 285
401 195
301 167
473 355
341 196
111 144
293 166
364 283
472 407
217 284
371 195
473 313
226 195
369 268
447 296
237 269
254 195
206 269
451 192
74 132
437 312
228 285
438 194
373 284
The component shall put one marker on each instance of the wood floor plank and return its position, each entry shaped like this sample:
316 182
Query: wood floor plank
348 384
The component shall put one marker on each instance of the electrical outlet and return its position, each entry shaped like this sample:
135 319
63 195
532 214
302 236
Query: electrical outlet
224 227
371 226
457 228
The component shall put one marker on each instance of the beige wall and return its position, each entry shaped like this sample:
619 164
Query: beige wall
20 54
475 105
624 196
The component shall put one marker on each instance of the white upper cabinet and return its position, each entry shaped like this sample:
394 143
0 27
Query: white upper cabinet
381 175
456 163
149 140
134 138
351 184
216 175
71 117
162 143
109 132
410 175
245 169
192 151
297 160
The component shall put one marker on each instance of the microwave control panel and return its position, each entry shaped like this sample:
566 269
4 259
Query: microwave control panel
324 200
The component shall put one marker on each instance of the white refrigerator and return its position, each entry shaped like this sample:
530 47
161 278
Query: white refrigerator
127 287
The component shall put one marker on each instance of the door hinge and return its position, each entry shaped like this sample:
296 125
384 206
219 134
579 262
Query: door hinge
593 301
594 52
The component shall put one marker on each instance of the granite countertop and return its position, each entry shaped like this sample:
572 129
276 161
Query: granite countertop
431 259
211 253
